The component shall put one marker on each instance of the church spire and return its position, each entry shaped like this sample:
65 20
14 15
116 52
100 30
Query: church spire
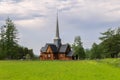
57 40
57 28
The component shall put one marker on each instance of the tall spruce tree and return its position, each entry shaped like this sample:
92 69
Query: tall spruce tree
10 39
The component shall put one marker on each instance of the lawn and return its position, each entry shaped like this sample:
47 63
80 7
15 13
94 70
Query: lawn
108 69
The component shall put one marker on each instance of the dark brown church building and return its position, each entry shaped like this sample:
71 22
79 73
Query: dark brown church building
56 50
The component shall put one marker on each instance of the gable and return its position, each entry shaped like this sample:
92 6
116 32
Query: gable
49 50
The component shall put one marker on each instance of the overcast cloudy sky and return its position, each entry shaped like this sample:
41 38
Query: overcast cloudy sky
36 20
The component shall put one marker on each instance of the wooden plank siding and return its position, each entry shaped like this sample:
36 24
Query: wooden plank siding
50 55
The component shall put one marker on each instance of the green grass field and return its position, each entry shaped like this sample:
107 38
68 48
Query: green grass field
108 69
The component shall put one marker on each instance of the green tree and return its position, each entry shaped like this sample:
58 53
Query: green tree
2 42
96 52
111 42
88 53
9 47
78 48
108 34
11 38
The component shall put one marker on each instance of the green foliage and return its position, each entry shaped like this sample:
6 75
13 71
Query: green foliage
60 70
8 41
109 46
111 43
2 42
9 47
88 53
108 34
96 52
78 48
11 38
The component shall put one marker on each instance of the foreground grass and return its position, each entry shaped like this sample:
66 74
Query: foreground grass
60 70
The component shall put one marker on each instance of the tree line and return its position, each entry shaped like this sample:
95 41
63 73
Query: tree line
9 47
109 47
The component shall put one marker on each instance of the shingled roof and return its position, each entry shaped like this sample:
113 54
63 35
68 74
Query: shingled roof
63 48
70 53
43 49
53 47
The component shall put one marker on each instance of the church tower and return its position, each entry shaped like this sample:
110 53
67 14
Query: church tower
57 40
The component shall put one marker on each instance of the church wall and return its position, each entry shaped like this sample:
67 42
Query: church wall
68 58
46 56
61 56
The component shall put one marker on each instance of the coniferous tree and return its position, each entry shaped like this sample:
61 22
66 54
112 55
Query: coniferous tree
78 48
2 42
11 38
96 52
111 43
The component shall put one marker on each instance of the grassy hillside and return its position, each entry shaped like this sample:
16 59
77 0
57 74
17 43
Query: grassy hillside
108 69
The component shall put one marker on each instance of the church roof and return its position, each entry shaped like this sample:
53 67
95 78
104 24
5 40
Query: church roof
53 47
70 53
63 48
43 49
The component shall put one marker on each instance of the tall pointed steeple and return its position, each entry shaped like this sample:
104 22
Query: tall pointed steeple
57 28
57 40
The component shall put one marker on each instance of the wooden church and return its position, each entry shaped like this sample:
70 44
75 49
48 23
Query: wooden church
56 50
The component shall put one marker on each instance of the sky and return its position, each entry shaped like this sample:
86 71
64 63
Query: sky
36 20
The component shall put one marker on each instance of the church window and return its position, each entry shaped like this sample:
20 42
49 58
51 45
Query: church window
48 55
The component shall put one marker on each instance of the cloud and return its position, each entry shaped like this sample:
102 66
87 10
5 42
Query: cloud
22 8
106 10
31 23
36 19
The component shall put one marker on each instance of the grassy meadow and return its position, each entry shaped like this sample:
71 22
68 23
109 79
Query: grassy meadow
106 69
